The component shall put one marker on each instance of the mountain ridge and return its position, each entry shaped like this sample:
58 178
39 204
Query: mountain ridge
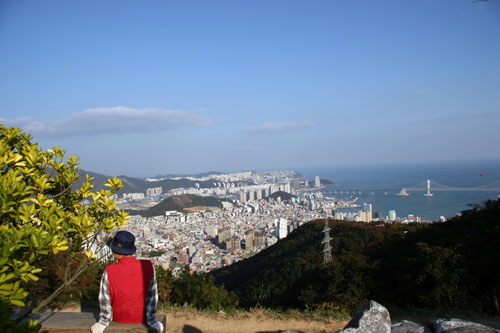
138 185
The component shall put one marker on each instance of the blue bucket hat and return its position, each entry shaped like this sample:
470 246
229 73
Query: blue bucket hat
122 243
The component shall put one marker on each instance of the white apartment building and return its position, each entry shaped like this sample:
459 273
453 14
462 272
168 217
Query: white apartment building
282 228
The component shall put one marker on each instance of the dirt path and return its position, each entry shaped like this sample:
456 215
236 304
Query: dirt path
247 323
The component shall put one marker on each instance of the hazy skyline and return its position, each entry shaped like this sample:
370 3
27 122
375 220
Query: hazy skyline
157 87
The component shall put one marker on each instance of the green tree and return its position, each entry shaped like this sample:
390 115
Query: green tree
198 291
41 212
165 284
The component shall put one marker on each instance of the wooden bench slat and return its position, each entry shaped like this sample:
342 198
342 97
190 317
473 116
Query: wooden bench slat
55 322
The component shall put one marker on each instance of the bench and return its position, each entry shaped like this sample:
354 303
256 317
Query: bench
59 322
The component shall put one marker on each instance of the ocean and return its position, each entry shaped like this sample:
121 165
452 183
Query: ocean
379 186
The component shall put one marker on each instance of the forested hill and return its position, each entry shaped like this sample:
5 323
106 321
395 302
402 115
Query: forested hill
285 274
447 265
178 203
284 196
135 185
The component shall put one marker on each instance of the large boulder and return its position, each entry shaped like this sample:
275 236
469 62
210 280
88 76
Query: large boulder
460 326
371 317
407 326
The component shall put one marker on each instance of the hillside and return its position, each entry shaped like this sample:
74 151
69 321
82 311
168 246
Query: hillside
446 265
178 203
285 196
291 272
137 185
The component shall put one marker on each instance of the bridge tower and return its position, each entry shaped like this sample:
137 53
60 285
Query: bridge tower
428 194
327 249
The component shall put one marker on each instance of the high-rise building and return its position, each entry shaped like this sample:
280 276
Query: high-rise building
364 216
367 207
313 205
392 215
367 212
212 231
249 240
243 196
153 191
260 240
282 228
133 196
223 235
317 182
191 250
274 188
228 244
236 243
339 216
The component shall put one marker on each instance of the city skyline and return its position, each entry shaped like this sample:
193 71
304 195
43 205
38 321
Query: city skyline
146 89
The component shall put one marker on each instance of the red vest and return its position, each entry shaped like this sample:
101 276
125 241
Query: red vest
129 281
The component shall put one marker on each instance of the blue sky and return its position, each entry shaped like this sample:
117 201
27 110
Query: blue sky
154 87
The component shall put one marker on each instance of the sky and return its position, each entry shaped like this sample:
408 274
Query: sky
145 88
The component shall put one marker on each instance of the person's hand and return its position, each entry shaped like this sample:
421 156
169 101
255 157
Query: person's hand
158 327
97 328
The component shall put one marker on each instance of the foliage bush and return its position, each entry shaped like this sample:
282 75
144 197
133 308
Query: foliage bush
192 289
84 290
198 291
8 325
451 265
41 213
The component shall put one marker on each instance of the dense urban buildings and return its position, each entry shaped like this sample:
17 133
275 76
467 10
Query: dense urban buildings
258 210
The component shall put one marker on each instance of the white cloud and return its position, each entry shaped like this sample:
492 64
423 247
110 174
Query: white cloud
280 126
111 120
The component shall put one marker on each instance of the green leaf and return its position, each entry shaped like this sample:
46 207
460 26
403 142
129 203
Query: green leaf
7 286
34 240
17 302
3 260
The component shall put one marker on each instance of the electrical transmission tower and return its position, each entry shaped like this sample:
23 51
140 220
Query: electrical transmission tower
327 249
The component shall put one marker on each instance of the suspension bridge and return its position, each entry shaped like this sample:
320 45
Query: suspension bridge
435 186
428 185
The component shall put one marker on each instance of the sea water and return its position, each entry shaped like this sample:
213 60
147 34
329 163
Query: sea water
379 186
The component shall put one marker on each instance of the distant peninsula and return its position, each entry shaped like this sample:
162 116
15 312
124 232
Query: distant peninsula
326 181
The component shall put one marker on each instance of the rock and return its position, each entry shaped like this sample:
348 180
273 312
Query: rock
460 326
371 317
407 326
